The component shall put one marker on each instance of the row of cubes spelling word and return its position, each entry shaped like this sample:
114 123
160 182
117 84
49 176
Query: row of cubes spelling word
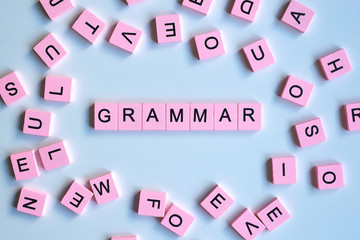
177 116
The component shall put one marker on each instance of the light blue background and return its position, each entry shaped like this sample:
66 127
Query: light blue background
186 165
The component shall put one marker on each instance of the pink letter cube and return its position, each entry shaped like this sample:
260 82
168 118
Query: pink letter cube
154 116
247 225
283 170
217 202
54 156
226 116
297 91
273 215
258 55
130 116
105 116
104 189
310 133
50 50
249 116
202 116
152 203
352 116
297 16
245 9
89 26
125 36
11 89
209 45
178 116
56 8
57 89
201 6
335 64
133 237
168 28
31 202
329 176
76 198
177 220
37 123
24 165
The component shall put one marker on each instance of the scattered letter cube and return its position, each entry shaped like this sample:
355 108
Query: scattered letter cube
133 237
283 170
54 156
297 16
104 189
217 202
56 8
126 37
57 89
352 116
247 225
11 89
89 26
168 28
310 133
177 220
335 64
329 176
76 198
24 165
37 123
245 9
258 55
201 6
152 203
209 45
273 215
31 202
297 91
50 50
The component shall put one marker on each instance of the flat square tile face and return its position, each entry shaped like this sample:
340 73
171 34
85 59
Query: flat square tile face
201 6
31 202
310 133
125 37
152 203
24 165
57 89
76 198
89 26
105 116
225 116
217 202
335 64
258 55
209 45
178 116
352 116
329 176
130 116
247 225
298 16
283 170
56 8
168 28
297 91
249 116
154 116
37 123
50 50
177 220
202 116
273 215
54 156
104 189
245 9
11 89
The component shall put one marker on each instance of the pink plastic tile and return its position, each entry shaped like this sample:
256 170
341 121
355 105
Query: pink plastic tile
105 116
352 116
131 2
104 189
50 50
249 116
11 89
24 165
168 28
89 26
133 237
335 64
37 123
152 203
56 8
177 220
217 202
273 215
297 91
245 9
201 6
329 176
310 133
154 116
247 225
178 116
209 45
202 116
283 170
57 89
31 202
54 156
76 198
258 55
297 16
125 36
130 116
225 116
